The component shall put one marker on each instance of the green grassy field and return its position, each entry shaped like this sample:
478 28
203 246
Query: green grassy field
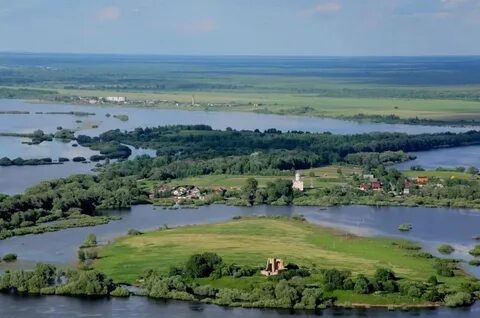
251 241
441 174
288 103
295 104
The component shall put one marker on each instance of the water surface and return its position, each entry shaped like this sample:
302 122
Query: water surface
152 117
56 306
431 227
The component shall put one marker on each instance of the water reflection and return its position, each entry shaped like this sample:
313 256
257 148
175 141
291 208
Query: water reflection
56 306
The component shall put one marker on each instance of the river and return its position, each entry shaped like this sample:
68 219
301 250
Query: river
152 117
57 306
15 180
431 227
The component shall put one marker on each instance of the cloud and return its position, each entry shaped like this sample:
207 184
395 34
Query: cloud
197 27
110 13
327 7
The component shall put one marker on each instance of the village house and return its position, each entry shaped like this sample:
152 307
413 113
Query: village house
116 99
422 180
181 192
364 186
186 192
297 182
373 185
274 267
406 187
376 185
369 177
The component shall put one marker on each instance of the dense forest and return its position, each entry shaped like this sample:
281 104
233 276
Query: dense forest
202 142
185 151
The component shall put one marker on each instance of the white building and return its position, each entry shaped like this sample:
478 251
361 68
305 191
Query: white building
116 99
298 182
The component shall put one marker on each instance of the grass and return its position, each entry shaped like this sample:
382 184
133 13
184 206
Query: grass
313 178
251 241
295 103
284 103
440 174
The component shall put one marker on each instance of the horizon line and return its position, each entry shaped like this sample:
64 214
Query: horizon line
233 55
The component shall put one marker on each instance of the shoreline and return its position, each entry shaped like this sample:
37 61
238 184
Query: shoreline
357 118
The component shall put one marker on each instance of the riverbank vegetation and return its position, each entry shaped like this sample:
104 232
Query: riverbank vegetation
64 203
39 136
50 280
218 263
5 162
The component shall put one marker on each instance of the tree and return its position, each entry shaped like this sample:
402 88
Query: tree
81 255
384 274
249 190
472 170
286 294
90 240
362 285
202 265
334 279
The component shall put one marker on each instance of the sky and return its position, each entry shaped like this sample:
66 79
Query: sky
242 27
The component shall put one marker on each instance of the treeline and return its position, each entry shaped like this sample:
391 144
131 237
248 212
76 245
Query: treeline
201 141
297 287
185 151
49 280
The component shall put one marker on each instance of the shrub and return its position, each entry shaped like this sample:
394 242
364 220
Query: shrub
120 291
432 295
286 294
202 265
459 299
348 284
384 274
159 289
312 297
90 240
446 249
50 290
432 280
133 232
81 255
10 257
444 268
474 262
362 285
289 274
405 227
205 291
334 279
245 272
475 251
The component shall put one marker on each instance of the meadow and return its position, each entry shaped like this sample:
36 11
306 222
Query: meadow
250 241
313 178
